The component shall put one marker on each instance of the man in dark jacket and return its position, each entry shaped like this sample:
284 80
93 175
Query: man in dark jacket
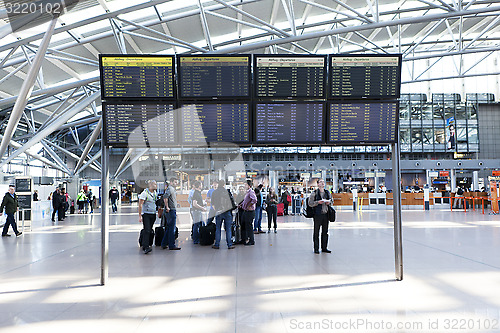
223 204
11 206
56 203
113 196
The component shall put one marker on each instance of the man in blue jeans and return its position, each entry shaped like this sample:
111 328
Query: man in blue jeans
257 224
170 213
223 203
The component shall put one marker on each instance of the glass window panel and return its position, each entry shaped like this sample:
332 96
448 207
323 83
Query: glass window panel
404 111
473 135
449 112
416 139
427 111
472 111
416 112
460 112
405 139
437 112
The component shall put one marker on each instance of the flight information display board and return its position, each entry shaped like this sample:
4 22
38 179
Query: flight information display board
288 77
361 122
212 77
283 123
215 122
137 77
365 77
139 125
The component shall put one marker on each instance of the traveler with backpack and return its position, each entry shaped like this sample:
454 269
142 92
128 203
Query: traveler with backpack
223 204
320 200
170 199
81 198
248 206
197 210
147 214
272 209
459 194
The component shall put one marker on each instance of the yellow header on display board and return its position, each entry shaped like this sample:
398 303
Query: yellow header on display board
136 61
206 59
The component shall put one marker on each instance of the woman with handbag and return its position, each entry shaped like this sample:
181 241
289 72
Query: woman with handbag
320 200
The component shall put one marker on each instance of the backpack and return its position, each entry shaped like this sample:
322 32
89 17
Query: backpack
460 191
309 211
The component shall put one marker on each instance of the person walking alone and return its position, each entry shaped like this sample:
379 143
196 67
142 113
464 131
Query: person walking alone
113 196
11 206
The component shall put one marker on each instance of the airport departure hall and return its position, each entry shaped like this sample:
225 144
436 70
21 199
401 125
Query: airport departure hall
264 166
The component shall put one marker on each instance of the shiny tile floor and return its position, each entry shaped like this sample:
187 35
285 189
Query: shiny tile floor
49 278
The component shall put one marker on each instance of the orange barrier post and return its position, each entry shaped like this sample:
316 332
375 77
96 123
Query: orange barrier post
482 199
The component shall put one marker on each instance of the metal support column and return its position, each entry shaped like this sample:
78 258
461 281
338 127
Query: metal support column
396 203
475 181
104 214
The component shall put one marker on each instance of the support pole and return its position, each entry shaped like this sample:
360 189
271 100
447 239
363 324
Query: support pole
27 88
396 203
104 214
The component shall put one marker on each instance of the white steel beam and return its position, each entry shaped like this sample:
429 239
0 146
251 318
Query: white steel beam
26 89
89 145
41 134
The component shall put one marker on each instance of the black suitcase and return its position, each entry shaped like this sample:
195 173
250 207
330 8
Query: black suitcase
159 233
151 237
236 230
207 234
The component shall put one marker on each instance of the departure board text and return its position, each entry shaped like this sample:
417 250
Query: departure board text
362 122
214 77
137 77
290 77
215 122
289 123
139 125
364 77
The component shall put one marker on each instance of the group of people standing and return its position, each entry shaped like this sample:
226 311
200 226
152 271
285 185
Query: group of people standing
60 204
85 201
151 206
220 205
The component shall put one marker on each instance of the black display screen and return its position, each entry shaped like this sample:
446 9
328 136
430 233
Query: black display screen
289 123
365 77
362 122
137 77
23 185
211 77
139 125
288 77
215 122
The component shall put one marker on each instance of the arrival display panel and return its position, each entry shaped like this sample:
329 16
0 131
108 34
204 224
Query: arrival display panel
365 77
137 77
212 77
289 123
362 122
288 77
215 122
139 125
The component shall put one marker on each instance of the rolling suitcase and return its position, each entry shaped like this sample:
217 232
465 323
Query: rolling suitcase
159 233
236 230
151 237
207 234
281 208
